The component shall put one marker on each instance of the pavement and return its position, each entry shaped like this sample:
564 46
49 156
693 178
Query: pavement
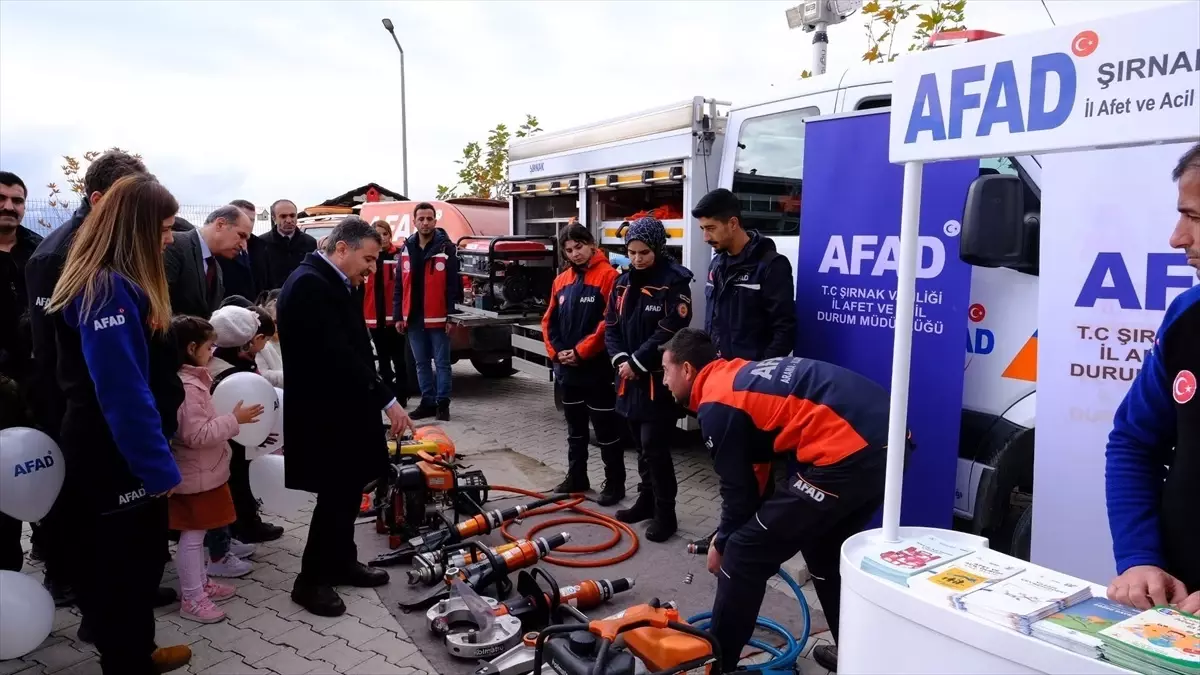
267 633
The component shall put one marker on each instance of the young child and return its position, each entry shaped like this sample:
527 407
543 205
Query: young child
270 360
202 501
241 334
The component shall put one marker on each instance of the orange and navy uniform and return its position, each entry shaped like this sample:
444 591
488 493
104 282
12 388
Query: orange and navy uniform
809 413
431 271
575 320
380 288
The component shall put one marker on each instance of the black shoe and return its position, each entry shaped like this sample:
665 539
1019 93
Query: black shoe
85 633
572 484
611 492
361 576
642 509
663 526
165 596
443 411
424 411
256 532
826 657
36 553
318 599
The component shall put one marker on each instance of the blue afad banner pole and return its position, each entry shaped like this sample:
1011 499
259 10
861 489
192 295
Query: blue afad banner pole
846 289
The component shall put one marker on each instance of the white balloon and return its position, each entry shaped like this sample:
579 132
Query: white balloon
31 473
277 430
26 614
266 482
250 389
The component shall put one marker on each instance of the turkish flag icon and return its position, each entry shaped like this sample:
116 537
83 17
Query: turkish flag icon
1184 387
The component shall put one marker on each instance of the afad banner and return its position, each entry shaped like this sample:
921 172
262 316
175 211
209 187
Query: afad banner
846 289
1113 82
1108 274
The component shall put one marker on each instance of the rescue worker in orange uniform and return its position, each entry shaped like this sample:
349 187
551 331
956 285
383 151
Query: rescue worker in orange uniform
573 330
821 431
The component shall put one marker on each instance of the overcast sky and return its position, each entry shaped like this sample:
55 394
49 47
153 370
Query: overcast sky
262 100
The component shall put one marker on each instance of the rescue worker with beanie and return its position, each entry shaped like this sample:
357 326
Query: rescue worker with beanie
429 289
751 302
649 304
1152 464
573 330
821 430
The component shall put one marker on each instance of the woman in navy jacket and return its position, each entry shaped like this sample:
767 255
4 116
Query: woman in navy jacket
649 304
109 304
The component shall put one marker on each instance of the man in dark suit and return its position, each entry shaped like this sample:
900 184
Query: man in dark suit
193 274
246 273
335 445
286 245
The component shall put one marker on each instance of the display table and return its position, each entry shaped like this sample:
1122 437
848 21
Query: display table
885 628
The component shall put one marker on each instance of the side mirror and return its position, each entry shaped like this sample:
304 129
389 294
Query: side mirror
996 231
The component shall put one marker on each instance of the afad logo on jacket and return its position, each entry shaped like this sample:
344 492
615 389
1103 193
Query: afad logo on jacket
117 319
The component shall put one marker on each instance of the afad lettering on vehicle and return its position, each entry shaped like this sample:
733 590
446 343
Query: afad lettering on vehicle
980 340
1109 279
1022 106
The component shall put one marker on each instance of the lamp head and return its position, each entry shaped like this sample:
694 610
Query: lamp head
387 24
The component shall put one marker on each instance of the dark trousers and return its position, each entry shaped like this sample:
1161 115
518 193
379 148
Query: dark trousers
11 555
116 591
812 512
330 549
389 349
655 468
595 403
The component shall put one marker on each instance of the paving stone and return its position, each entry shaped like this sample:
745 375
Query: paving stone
376 665
268 624
252 648
89 667
15 666
318 623
167 634
56 654
65 617
282 604
286 662
370 612
222 634
353 631
233 666
255 593
271 577
390 647
239 611
205 655
303 639
341 655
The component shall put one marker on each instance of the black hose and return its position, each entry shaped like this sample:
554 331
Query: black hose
540 643
601 657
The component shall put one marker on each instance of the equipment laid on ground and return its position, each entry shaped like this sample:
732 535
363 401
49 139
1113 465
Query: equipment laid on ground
430 568
494 570
516 661
471 636
435 540
508 275
651 636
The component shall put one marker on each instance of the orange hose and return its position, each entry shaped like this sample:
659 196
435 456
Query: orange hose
585 517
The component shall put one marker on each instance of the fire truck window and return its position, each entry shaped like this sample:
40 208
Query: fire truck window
768 171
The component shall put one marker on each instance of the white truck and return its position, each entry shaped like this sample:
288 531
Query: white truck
669 157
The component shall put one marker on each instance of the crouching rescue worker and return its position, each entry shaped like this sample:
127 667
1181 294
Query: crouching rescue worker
649 304
821 430
573 329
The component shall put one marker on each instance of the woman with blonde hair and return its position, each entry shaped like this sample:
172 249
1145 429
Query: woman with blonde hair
109 305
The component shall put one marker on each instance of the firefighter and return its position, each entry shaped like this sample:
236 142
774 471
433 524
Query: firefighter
573 329
648 305
822 431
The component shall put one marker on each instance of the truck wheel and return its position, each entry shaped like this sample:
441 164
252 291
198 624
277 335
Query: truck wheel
1022 535
493 368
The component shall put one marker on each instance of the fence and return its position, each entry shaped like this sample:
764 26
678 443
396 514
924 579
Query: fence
41 215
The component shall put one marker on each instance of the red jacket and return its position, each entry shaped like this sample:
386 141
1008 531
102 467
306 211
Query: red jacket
439 281
377 296
575 320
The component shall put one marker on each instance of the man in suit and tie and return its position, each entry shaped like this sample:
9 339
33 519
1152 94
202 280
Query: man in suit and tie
193 275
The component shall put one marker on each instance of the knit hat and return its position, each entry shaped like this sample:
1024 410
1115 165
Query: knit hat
648 230
235 326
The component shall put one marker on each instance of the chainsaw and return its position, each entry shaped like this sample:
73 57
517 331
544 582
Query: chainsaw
492 572
471 636
644 638
436 540
423 485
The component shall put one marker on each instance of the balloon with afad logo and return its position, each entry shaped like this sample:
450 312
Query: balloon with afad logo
31 473
267 483
26 614
250 389
276 431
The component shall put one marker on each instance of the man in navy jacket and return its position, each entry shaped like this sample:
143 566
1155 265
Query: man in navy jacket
750 298
1153 457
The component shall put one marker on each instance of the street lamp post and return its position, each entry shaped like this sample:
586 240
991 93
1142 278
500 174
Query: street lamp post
391 29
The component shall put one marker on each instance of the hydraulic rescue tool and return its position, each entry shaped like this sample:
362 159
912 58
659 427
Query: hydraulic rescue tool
422 487
430 568
471 636
436 540
493 571
650 636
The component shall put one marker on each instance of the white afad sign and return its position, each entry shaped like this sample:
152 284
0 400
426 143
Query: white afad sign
1108 274
1116 82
